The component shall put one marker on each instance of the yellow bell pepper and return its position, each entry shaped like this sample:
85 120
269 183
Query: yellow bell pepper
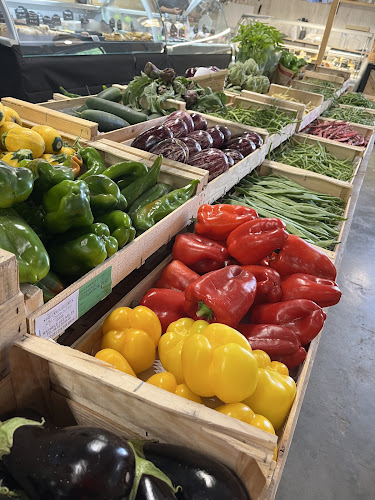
134 333
244 413
275 391
116 359
167 381
213 360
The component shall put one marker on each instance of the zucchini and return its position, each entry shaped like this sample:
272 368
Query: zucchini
111 94
117 109
106 121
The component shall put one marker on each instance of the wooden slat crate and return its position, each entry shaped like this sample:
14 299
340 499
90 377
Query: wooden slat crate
368 110
218 186
339 80
215 80
254 97
345 74
313 87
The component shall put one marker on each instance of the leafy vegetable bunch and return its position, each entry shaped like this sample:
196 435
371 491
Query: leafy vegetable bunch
292 62
153 87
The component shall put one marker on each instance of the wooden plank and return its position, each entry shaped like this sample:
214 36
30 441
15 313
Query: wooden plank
7 397
9 281
368 110
215 80
331 16
33 297
13 326
300 108
324 77
301 95
59 121
345 74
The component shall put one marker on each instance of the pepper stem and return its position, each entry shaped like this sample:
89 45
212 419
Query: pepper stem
204 310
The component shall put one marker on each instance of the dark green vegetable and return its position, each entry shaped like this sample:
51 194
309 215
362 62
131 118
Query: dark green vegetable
356 99
150 214
315 158
16 184
292 62
149 196
106 121
93 160
138 187
68 94
120 226
111 94
105 195
50 286
125 112
355 115
313 216
126 172
272 119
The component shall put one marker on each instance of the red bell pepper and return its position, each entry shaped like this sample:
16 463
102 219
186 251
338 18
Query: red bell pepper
268 283
322 291
302 316
176 276
291 360
298 256
222 296
200 254
218 221
254 240
168 305
273 339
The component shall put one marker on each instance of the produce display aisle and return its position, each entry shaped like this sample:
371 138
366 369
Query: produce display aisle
61 377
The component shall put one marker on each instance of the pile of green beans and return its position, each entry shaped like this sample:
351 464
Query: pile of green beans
355 115
272 119
356 99
326 89
313 216
313 157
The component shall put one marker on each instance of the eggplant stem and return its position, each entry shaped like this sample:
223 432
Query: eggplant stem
7 430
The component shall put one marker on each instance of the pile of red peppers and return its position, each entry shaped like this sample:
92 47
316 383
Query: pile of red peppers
251 274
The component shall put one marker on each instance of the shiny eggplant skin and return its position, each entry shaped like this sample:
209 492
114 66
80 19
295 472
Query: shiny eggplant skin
181 115
192 144
200 477
234 154
244 146
253 136
73 463
226 132
174 149
200 122
152 488
213 160
217 136
203 138
147 139
177 126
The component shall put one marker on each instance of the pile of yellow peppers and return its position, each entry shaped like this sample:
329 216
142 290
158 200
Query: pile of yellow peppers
201 360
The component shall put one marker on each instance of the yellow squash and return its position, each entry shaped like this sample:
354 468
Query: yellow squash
2 114
51 137
5 127
15 158
24 138
12 116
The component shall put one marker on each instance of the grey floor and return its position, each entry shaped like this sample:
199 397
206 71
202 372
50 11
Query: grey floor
333 450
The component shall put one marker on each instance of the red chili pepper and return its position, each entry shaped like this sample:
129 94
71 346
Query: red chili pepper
291 360
298 256
218 221
273 339
302 316
201 254
268 283
168 305
322 291
254 240
176 276
222 296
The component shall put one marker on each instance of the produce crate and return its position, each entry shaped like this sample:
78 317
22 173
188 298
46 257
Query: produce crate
338 80
63 310
317 183
312 87
345 74
214 80
254 97
215 188
368 110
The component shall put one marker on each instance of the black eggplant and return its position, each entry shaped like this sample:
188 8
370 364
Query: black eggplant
74 463
200 477
153 488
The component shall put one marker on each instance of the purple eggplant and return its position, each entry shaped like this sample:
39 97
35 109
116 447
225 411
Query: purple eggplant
217 137
253 136
229 157
213 160
192 144
178 127
181 115
200 122
244 146
234 155
174 149
226 132
203 138
147 139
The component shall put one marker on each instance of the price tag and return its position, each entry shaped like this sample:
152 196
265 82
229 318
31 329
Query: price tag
59 318
95 38
68 15
119 25
56 20
32 18
20 12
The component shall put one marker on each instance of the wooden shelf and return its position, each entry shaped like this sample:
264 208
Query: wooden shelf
359 4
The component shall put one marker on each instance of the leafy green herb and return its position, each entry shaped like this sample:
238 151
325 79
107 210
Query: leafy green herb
292 62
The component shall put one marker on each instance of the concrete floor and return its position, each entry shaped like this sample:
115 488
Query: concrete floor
333 450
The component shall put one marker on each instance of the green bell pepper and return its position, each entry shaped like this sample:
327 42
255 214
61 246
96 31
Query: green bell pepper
16 236
105 195
126 172
138 187
150 214
34 214
16 185
149 196
49 175
120 225
50 286
99 229
67 205
93 160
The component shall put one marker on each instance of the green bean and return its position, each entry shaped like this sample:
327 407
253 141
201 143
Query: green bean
356 115
356 99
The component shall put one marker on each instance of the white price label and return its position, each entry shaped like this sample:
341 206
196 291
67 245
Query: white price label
57 320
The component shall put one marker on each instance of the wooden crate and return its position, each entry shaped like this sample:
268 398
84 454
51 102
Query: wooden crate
216 187
64 309
299 107
368 110
345 74
214 80
337 80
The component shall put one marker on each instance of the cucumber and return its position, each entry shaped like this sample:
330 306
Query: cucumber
111 94
106 121
120 110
